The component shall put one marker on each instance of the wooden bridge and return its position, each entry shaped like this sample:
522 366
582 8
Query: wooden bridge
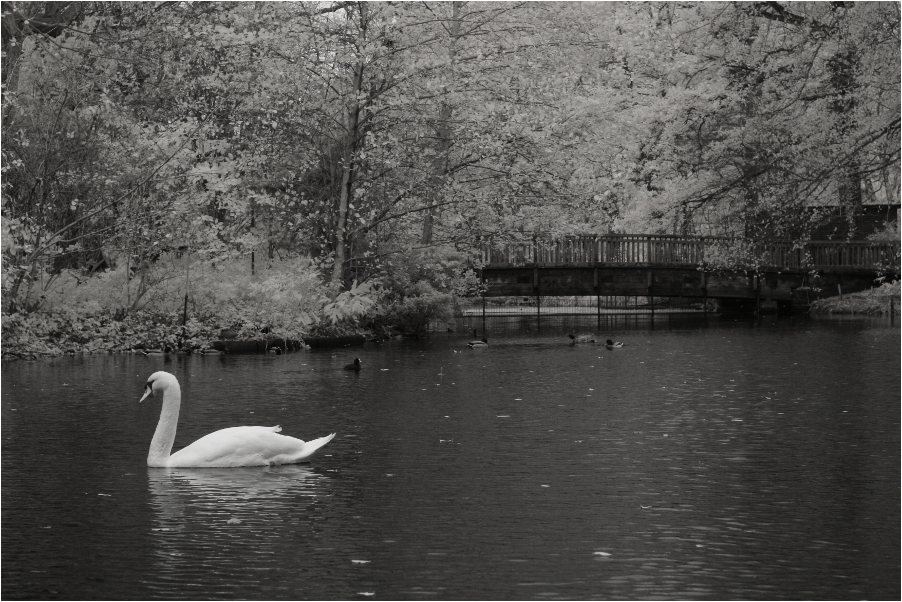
792 274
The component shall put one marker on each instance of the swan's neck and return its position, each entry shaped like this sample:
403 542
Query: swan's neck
163 438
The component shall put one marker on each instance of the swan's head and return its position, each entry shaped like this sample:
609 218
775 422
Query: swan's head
158 381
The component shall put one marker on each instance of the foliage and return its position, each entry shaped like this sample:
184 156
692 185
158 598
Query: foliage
420 289
354 302
417 312
888 233
45 334
771 109
285 298
412 272
146 141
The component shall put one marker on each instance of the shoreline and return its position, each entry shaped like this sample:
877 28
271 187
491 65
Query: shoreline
48 348
45 335
883 300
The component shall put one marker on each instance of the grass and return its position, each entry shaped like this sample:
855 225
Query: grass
874 302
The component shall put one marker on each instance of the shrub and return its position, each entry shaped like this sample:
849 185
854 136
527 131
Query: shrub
44 334
875 301
420 289
413 315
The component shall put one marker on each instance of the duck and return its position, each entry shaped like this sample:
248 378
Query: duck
212 352
156 351
226 448
613 344
481 343
583 338
275 350
355 365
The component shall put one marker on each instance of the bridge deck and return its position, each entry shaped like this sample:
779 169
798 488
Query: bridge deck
674 266
661 250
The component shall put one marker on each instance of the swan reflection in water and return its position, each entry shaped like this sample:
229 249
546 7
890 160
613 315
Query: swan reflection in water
227 517
251 492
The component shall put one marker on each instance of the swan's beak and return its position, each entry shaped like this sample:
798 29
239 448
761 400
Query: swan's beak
147 394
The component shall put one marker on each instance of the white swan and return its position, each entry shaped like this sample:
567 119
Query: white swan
235 446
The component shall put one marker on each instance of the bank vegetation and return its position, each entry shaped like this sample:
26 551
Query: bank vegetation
883 300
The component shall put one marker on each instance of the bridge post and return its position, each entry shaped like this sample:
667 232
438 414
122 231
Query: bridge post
705 293
483 302
535 285
483 314
757 285
651 293
597 299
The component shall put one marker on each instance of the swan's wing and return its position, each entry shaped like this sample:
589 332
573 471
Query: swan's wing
243 446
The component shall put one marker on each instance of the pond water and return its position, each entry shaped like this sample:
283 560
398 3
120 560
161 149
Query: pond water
704 460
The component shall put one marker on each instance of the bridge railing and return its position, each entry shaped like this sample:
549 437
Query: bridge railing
691 250
602 249
853 254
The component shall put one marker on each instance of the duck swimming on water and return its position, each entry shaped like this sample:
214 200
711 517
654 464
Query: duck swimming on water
477 342
355 365
583 338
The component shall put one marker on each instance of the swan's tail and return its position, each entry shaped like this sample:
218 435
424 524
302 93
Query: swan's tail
310 447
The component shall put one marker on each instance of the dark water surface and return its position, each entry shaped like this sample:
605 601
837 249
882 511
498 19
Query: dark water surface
727 461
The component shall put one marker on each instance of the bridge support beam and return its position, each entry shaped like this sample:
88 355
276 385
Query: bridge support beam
786 287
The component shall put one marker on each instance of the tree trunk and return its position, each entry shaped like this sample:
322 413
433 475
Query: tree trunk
443 137
349 153
439 167
341 225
